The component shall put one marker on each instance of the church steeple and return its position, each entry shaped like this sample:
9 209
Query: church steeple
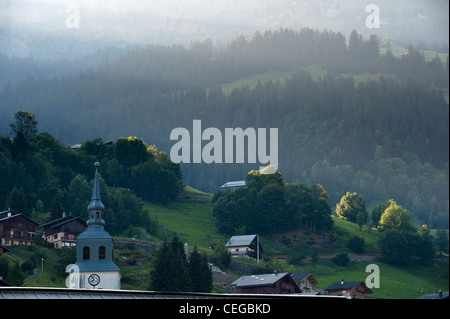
95 249
96 207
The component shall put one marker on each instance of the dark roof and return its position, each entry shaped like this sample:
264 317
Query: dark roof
5 213
302 276
4 216
344 285
61 221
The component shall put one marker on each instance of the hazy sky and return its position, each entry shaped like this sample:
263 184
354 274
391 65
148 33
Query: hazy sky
23 23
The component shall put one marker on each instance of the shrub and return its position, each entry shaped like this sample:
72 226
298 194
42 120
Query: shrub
356 244
341 259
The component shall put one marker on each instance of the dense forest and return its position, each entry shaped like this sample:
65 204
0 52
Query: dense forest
43 178
267 205
387 137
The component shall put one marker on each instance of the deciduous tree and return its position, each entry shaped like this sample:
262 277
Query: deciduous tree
349 206
395 217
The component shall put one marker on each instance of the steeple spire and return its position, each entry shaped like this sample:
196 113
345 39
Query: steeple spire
96 207
95 249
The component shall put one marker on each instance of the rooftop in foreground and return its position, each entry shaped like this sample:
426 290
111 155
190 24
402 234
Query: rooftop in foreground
67 294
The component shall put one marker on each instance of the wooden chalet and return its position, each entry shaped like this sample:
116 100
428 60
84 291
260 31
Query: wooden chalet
276 283
64 231
244 246
16 229
305 281
355 289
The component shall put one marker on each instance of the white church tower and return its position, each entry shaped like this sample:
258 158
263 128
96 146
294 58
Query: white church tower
94 268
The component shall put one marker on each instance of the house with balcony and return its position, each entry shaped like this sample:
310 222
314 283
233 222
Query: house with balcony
305 281
247 246
354 289
64 231
16 229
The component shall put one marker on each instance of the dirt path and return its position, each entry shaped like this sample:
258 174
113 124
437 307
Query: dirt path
352 257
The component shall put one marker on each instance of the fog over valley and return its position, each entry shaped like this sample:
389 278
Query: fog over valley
67 29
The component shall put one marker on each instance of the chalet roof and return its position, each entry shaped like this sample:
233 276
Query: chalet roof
243 240
6 212
4 216
265 280
302 276
61 221
234 184
346 285
259 280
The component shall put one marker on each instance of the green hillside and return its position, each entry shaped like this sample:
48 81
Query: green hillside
190 219
316 71
194 224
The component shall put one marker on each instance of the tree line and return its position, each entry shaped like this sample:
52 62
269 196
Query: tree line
42 178
400 242
169 67
267 205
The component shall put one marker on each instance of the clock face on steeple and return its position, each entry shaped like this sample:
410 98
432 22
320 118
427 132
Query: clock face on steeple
94 279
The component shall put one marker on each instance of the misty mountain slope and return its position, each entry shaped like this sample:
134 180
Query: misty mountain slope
386 137
50 30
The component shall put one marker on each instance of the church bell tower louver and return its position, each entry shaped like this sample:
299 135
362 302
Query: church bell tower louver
94 268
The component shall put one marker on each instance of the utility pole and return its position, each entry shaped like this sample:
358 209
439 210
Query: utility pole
257 249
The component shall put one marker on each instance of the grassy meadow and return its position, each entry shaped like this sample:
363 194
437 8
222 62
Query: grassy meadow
194 224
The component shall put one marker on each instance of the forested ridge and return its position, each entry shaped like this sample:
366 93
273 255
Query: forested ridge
384 138
43 179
